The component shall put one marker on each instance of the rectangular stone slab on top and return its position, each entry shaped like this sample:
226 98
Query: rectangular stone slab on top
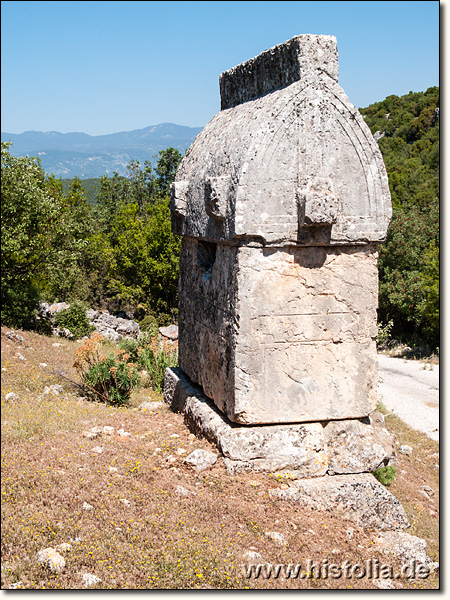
281 201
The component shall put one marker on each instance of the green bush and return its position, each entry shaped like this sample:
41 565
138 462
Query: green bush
19 302
385 475
150 325
43 326
108 378
384 333
152 355
112 380
74 319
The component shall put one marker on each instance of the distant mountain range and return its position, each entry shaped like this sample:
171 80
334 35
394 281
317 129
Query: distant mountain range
69 155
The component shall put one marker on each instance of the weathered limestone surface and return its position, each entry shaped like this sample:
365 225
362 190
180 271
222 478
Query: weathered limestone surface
355 446
301 450
281 336
360 498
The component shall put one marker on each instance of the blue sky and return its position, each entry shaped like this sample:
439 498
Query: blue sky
103 67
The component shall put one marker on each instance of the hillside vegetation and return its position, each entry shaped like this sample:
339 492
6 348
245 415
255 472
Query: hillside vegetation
90 188
409 260
119 252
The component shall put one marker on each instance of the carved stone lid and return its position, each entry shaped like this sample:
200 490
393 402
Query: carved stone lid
289 162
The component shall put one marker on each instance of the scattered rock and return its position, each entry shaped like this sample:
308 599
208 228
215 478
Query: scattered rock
405 449
55 390
350 533
75 540
355 447
125 502
403 545
15 337
383 584
150 406
170 332
252 555
12 396
87 506
359 497
278 538
52 559
43 365
90 579
285 494
56 344
201 459
113 470
181 491
428 490
97 449
113 328
16 586
181 451
20 356
434 567
108 430
90 435
123 433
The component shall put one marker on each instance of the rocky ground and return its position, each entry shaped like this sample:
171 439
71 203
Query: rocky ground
127 498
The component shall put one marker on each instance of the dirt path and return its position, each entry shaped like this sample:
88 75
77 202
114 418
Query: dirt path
410 389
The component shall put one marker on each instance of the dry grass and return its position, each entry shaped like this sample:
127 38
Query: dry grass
157 538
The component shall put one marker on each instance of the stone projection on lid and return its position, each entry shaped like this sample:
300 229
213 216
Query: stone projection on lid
281 202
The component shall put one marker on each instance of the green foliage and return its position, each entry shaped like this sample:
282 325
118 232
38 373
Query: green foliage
410 146
108 378
67 276
74 319
112 380
409 259
152 355
384 332
119 254
90 188
134 250
385 475
409 275
166 168
30 225
150 325
20 299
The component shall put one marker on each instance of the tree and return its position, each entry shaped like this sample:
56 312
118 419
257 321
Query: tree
31 223
134 253
66 277
166 168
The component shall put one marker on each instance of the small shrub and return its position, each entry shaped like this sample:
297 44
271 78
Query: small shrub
110 378
43 326
384 333
385 475
150 325
152 355
74 319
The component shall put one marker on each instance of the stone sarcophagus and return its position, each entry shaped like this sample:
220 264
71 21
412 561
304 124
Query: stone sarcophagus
281 201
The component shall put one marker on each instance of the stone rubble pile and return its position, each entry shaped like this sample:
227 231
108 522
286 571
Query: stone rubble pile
112 327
